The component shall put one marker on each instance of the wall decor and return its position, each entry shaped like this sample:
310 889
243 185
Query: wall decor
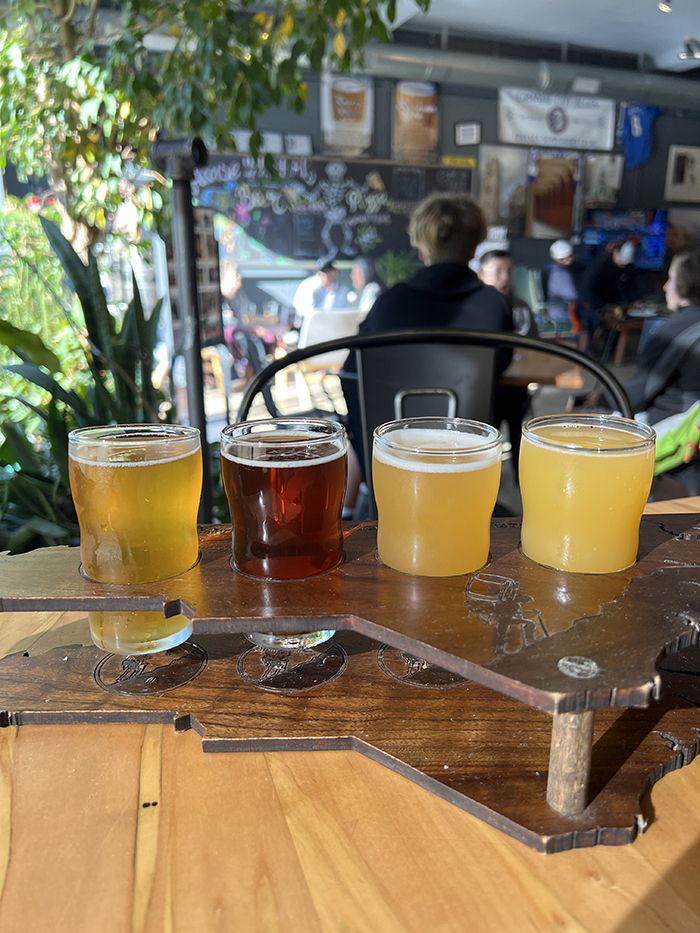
416 122
347 114
683 174
529 118
503 186
553 202
467 134
602 177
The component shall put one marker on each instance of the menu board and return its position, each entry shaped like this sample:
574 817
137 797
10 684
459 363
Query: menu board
314 207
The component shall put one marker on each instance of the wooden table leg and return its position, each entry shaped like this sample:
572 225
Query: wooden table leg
570 762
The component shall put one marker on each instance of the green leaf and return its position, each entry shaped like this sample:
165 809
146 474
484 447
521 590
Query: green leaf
39 377
19 448
31 346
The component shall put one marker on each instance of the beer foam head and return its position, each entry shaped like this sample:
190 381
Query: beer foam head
283 449
588 440
426 450
148 453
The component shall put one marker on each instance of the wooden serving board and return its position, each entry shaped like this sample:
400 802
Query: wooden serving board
556 641
483 752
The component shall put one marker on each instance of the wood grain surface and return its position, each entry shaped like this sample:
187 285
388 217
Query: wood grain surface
289 841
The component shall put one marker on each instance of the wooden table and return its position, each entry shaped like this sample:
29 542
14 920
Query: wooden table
529 366
132 827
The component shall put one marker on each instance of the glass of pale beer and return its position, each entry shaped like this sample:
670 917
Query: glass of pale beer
136 491
435 483
284 479
584 481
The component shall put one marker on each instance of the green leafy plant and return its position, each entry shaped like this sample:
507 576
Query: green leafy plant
35 503
85 87
396 266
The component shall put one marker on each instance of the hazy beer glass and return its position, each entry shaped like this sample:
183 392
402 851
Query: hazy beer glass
435 482
584 481
284 480
136 491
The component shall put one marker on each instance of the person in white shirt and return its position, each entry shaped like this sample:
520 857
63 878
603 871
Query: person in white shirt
330 294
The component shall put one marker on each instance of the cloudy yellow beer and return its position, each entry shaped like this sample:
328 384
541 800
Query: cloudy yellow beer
435 483
136 491
584 482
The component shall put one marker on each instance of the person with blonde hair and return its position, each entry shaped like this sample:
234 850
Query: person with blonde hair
445 228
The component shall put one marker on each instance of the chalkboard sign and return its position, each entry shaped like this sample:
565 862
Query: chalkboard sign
317 207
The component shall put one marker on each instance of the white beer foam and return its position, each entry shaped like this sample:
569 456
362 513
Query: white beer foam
563 446
128 463
440 443
282 464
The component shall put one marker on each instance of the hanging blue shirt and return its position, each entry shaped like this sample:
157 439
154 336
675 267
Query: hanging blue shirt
635 132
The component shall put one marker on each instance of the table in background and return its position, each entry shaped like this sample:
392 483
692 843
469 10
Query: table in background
132 827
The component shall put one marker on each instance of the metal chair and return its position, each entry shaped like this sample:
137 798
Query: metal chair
437 381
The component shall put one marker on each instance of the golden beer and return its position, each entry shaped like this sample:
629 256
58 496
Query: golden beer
136 491
584 482
435 483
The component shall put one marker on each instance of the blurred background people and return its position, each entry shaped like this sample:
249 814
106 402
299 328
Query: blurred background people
303 300
366 284
609 280
561 293
330 292
495 268
667 378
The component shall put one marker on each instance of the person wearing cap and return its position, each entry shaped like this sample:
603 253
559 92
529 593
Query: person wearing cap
560 289
609 280
330 293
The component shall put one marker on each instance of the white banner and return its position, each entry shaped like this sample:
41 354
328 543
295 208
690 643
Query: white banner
530 118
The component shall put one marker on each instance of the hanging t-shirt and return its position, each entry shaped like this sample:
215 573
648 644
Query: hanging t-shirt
635 131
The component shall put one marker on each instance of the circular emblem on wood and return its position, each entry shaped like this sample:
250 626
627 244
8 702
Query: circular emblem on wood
292 671
415 671
578 667
142 674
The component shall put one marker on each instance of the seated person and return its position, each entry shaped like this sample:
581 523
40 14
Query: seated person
496 269
667 378
560 289
445 229
366 283
330 293
609 280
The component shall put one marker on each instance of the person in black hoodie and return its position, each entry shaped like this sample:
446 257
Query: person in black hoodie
445 228
667 378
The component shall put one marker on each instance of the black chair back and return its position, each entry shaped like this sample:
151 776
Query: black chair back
427 379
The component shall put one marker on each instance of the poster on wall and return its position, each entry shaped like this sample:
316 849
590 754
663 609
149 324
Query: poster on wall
416 122
347 114
683 174
553 199
602 177
503 187
530 118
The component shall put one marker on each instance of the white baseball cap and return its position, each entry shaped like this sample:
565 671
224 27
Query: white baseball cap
561 249
627 253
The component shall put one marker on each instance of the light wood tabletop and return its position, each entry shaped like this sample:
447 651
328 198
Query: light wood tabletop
132 827
530 366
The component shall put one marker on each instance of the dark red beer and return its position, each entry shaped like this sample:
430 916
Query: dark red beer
285 493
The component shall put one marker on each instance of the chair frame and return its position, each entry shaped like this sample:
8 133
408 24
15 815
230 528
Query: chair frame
431 335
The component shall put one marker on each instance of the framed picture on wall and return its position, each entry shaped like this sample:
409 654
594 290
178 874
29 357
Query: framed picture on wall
683 174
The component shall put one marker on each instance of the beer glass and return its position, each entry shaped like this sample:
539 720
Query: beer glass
584 481
435 483
284 479
136 491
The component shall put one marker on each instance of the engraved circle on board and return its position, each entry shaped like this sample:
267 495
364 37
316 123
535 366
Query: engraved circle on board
578 667
296 670
150 674
415 672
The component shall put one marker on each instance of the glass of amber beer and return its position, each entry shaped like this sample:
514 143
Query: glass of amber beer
284 479
435 482
136 491
584 481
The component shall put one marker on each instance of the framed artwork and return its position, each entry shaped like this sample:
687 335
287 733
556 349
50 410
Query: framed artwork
602 177
683 174
553 204
503 186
